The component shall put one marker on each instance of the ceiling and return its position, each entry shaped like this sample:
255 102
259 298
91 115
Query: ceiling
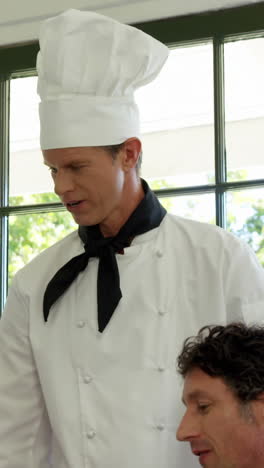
19 21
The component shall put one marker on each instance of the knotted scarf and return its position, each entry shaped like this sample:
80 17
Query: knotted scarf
148 215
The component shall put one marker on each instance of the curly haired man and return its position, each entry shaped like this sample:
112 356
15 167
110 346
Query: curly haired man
223 370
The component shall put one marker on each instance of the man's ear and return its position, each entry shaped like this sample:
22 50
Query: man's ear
260 397
130 153
259 407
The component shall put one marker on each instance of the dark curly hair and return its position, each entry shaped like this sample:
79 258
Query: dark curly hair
234 352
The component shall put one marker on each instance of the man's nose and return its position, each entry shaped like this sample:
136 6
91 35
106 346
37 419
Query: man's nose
188 428
63 183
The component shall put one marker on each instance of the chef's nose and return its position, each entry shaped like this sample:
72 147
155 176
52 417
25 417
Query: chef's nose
63 183
188 427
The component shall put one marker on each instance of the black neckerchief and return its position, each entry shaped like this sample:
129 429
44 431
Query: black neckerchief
148 215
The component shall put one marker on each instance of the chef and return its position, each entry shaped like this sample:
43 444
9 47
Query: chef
93 325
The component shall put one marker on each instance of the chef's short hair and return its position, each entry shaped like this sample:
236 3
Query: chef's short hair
234 352
113 150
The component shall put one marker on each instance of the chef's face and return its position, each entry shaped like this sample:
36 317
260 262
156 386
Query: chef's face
88 181
221 432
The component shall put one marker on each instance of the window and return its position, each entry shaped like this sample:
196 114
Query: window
202 125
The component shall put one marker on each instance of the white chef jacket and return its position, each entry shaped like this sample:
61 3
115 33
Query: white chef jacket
71 397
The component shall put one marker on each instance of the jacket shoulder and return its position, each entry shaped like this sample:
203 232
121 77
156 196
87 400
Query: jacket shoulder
47 263
200 233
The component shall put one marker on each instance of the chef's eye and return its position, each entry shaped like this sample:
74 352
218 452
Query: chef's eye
203 407
52 170
77 168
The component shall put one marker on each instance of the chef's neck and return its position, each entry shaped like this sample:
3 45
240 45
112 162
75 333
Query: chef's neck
133 193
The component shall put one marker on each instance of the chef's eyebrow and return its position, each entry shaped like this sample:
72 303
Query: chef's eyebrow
195 394
69 164
47 164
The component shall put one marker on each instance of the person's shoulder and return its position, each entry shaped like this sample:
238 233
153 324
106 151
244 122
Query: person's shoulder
210 243
200 233
61 248
198 230
51 259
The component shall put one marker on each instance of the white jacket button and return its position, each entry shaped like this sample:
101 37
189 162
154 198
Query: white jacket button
80 324
91 434
160 427
87 379
159 253
162 312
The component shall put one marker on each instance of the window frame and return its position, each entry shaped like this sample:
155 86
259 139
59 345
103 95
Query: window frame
218 26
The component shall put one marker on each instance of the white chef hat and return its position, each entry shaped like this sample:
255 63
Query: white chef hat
88 67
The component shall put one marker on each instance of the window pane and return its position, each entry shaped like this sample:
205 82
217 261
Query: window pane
177 120
245 216
29 234
197 207
244 78
28 175
177 128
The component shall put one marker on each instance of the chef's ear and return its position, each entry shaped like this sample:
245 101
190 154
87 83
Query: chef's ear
131 151
258 408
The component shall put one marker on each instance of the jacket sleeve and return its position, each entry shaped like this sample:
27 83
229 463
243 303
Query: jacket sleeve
244 285
24 424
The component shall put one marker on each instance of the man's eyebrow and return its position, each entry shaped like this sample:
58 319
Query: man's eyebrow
196 394
70 163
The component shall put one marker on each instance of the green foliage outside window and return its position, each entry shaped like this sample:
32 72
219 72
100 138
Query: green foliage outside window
29 234
252 230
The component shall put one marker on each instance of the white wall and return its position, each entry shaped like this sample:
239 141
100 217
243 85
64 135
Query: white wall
19 19
245 150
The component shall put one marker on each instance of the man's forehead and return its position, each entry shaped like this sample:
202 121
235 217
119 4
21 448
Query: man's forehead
198 384
66 154
194 395
67 150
